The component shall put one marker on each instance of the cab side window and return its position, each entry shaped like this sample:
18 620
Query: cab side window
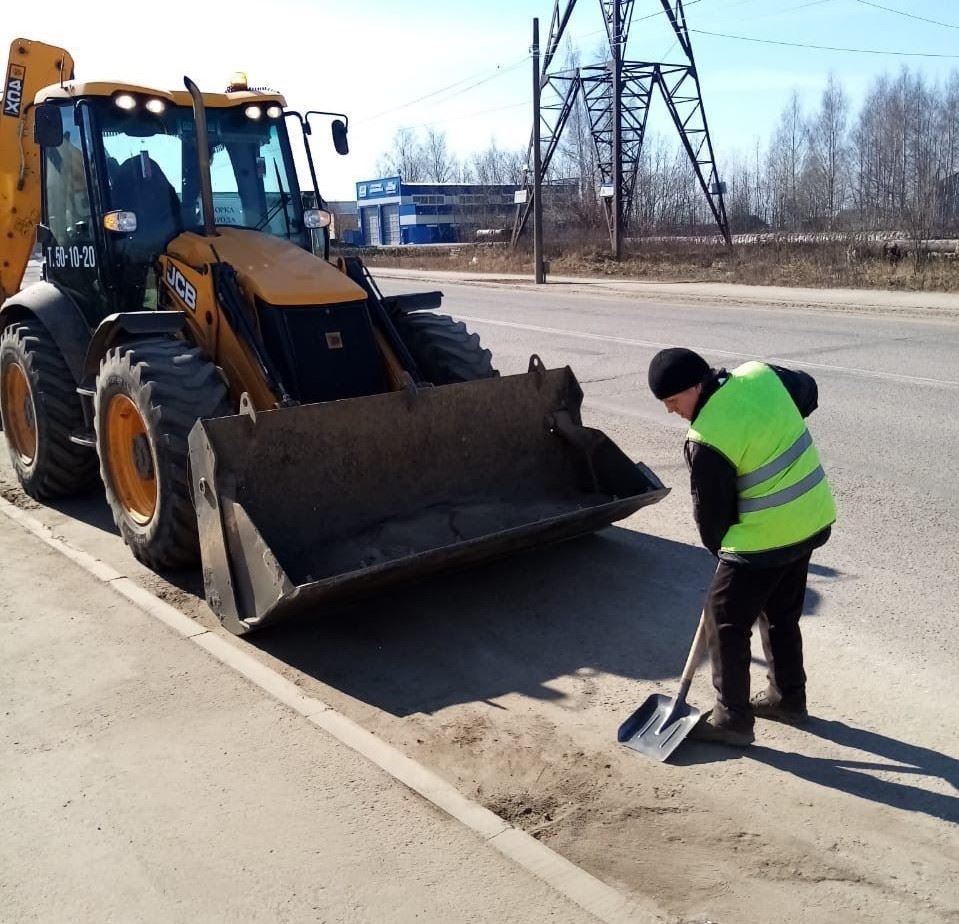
67 198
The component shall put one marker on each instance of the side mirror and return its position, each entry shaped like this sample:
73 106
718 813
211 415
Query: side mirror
47 126
339 137
315 219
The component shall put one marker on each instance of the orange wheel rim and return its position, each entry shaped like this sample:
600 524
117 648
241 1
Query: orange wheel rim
130 459
19 413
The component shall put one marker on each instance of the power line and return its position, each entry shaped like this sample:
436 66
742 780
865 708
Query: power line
889 9
792 9
860 51
467 115
489 76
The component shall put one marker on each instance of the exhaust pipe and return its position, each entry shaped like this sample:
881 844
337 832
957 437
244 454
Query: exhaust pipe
203 157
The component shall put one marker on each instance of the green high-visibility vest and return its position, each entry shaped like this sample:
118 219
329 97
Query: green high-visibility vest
783 495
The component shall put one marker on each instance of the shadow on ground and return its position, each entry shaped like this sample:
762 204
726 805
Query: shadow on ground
620 602
856 777
90 507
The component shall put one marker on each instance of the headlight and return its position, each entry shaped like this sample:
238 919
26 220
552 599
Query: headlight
121 222
125 101
253 112
316 218
274 112
156 106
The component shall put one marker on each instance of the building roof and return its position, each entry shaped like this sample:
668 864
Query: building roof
477 185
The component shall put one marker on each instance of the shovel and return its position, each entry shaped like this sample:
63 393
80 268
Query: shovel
659 726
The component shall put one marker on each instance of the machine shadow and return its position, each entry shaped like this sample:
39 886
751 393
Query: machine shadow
619 602
90 507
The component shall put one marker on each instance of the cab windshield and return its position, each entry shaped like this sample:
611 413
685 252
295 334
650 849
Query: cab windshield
152 169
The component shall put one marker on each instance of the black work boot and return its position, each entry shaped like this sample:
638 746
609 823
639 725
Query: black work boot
771 705
708 728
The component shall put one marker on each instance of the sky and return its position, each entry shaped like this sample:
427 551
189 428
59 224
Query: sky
464 67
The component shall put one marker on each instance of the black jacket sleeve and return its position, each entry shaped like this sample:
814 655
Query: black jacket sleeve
712 481
802 388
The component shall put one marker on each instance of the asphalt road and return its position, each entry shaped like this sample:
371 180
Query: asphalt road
510 680
883 605
886 427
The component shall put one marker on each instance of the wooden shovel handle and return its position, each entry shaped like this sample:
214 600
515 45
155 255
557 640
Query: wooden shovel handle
696 651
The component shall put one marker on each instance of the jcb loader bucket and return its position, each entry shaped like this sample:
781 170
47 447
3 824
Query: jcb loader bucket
304 506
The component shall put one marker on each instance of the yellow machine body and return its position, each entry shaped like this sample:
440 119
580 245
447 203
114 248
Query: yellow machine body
337 441
269 269
30 67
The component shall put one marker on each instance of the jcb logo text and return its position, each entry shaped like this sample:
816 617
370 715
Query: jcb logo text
177 282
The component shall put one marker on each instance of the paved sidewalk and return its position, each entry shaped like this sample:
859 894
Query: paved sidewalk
141 780
940 305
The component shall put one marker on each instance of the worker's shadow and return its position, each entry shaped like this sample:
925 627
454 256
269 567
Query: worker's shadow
858 777
621 603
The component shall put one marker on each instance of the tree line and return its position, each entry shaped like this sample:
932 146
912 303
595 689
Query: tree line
427 158
893 165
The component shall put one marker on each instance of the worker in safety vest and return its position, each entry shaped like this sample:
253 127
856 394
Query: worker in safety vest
762 505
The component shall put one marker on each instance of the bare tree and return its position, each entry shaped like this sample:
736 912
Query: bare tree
924 157
948 130
828 153
787 154
496 165
406 157
440 165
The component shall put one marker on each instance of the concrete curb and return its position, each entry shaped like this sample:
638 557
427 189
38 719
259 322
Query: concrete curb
591 894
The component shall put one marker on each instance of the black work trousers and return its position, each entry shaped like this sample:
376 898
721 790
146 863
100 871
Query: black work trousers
737 597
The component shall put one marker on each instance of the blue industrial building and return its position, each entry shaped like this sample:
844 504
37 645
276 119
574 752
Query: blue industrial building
395 212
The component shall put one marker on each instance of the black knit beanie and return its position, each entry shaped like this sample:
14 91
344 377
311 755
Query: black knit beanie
674 370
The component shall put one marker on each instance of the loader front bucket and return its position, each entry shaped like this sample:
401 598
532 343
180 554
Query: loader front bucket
304 506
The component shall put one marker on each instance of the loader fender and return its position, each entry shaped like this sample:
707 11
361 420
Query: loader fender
59 314
115 328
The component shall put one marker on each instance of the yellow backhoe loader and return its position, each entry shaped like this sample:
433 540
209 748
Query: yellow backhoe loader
242 397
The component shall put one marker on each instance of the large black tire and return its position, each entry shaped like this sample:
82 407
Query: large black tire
169 385
51 412
444 350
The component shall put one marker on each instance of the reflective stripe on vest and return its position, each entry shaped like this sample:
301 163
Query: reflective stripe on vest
778 498
779 464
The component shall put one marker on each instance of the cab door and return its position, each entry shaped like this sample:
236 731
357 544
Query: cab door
68 233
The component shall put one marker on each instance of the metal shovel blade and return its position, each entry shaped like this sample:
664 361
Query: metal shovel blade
658 727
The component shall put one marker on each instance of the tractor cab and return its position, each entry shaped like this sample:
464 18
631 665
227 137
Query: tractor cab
121 178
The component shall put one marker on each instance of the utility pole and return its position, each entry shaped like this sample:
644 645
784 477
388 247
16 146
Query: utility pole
616 225
540 276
